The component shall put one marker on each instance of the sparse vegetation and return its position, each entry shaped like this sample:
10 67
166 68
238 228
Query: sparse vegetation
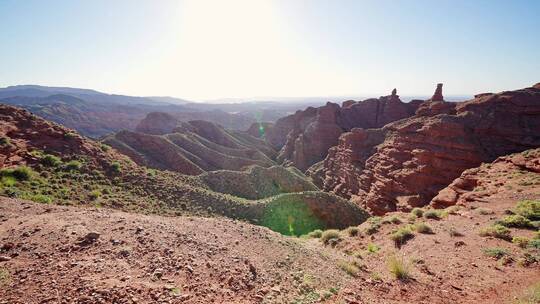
374 225
51 160
423 228
4 276
74 165
372 248
515 221
5 141
453 232
496 252
353 231
433 214
484 211
350 268
40 198
94 194
497 231
521 241
398 268
116 167
330 234
401 236
530 296
418 212
315 234
528 209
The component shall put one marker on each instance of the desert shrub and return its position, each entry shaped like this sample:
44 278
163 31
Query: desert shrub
40 198
374 225
317 233
116 167
484 211
372 248
94 194
452 209
70 135
8 181
515 221
497 231
537 235
398 268
350 268
521 241
528 209
453 232
418 212
73 165
105 147
433 214
353 231
4 277
22 173
496 252
530 296
401 236
330 234
534 244
423 228
51 160
5 141
395 220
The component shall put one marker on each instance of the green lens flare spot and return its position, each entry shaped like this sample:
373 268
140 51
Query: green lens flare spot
291 217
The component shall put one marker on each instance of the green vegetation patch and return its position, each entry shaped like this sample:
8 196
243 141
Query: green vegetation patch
528 209
291 216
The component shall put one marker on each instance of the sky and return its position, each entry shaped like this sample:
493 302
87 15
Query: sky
209 49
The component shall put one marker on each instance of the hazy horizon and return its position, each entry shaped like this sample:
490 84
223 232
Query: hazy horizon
249 49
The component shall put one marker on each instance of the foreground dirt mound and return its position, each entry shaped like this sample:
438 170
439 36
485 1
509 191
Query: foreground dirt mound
191 148
64 254
258 182
406 163
307 135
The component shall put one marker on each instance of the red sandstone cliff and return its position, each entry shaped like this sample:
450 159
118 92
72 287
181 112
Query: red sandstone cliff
406 163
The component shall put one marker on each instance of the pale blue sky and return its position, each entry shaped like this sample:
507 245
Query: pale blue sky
204 49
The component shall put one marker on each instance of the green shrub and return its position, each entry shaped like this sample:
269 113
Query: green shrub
330 234
374 225
418 212
40 198
453 232
8 181
395 220
353 231
372 248
116 167
398 267
22 173
95 194
528 209
534 244
423 228
496 252
515 221
74 165
452 209
105 147
433 214
497 231
51 160
520 241
315 234
530 296
401 236
484 211
5 278
350 268
5 141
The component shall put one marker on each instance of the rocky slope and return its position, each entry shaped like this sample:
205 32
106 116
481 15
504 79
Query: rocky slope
306 136
406 163
48 163
194 147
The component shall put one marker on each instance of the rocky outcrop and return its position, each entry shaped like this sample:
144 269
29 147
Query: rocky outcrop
406 163
313 131
438 96
157 123
505 174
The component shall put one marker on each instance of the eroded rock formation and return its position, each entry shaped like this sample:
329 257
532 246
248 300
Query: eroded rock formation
406 163
310 133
